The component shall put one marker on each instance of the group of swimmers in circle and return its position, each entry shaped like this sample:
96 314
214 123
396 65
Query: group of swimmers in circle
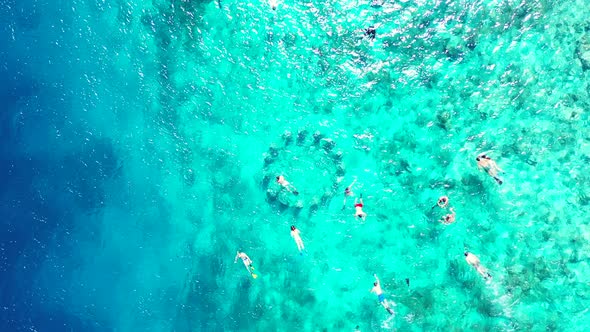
484 162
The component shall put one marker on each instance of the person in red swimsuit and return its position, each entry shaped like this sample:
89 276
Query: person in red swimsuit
359 209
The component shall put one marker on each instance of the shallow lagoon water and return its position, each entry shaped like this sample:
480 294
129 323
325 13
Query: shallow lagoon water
140 142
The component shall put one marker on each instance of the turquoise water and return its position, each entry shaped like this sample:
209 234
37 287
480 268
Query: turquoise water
157 129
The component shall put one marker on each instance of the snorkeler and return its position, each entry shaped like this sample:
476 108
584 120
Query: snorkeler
290 188
296 235
359 209
247 262
348 192
449 218
379 292
474 261
371 32
487 164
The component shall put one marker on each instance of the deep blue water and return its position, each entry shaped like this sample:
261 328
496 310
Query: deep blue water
43 186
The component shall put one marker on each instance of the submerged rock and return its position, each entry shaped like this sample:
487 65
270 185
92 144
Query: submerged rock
317 136
287 137
584 52
301 136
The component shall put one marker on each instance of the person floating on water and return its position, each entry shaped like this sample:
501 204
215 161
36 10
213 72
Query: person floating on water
247 262
359 209
449 218
379 292
487 164
474 261
348 192
371 32
290 188
273 4
296 235
443 201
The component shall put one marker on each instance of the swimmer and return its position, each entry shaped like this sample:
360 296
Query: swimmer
247 262
487 164
443 201
474 261
296 235
348 192
359 209
273 4
290 188
371 32
449 218
379 292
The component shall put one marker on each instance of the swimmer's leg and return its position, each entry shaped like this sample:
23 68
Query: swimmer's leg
385 305
498 180
484 273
